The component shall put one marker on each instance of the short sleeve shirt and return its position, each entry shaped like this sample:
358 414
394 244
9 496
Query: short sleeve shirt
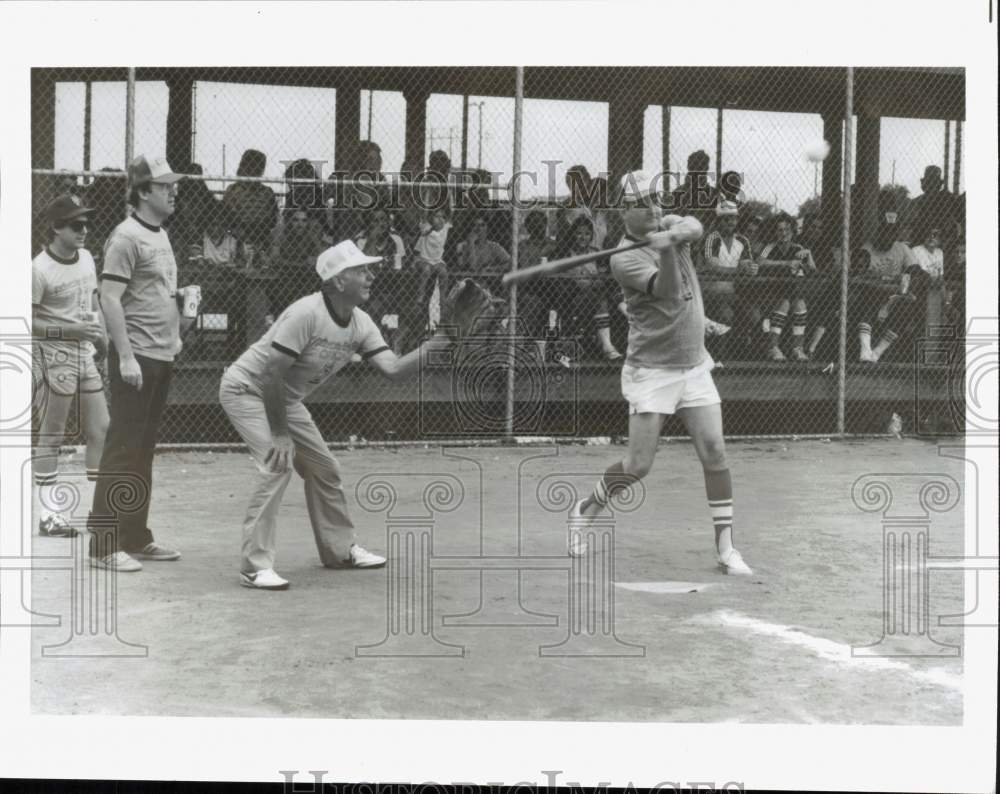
931 262
727 256
664 333
891 263
62 290
139 256
310 333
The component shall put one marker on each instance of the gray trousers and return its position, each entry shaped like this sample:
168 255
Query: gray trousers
331 525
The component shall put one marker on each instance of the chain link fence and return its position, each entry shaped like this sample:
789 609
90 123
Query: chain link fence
417 165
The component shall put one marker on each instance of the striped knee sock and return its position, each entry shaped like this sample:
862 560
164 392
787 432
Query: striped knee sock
602 321
865 337
777 326
45 483
799 320
719 489
614 481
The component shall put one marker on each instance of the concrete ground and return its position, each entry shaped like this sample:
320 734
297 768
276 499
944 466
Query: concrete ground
772 648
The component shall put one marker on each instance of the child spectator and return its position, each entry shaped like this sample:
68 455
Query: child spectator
384 302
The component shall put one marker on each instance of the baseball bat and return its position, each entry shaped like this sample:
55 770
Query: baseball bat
561 265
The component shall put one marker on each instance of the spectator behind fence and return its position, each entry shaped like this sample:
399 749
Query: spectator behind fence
726 254
254 207
536 298
784 257
293 259
695 196
822 294
385 303
486 259
584 201
929 255
884 303
195 203
934 208
591 290
106 196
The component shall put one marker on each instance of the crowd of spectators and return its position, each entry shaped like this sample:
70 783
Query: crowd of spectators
770 281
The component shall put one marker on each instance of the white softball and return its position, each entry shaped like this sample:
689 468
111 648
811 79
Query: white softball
817 151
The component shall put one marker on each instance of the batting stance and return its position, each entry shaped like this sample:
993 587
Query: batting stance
667 369
262 393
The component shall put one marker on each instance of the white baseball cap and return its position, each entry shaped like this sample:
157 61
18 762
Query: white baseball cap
637 184
144 170
340 257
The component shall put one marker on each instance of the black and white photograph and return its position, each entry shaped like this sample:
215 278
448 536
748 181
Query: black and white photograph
387 405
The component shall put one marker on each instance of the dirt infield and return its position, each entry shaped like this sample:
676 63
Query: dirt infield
773 648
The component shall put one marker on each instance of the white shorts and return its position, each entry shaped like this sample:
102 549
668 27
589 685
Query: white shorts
663 391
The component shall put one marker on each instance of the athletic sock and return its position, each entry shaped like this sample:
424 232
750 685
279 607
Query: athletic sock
45 484
865 338
610 485
777 326
799 320
719 489
884 343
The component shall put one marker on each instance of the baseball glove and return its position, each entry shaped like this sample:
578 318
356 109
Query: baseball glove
470 309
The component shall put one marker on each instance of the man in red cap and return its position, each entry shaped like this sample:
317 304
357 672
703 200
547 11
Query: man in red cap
139 300
69 334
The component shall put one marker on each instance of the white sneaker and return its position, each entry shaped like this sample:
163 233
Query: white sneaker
576 543
733 564
362 558
868 357
263 580
119 561
775 354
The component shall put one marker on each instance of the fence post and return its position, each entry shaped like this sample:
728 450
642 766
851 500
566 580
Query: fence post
129 117
845 249
514 224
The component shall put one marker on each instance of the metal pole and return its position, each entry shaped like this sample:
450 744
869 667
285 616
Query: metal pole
87 114
947 149
958 155
665 121
130 117
514 233
845 245
718 146
465 131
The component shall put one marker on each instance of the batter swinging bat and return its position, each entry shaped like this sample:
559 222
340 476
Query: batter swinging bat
561 265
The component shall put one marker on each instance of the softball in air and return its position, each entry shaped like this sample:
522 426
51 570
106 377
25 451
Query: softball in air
817 151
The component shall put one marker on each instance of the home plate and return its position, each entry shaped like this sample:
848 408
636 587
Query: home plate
667 588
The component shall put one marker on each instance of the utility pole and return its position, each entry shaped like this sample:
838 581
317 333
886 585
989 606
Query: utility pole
369 136
479 158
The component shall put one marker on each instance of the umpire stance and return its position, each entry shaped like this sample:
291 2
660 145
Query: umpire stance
138 297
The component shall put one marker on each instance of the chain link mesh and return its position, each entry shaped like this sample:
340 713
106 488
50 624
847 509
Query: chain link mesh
415 164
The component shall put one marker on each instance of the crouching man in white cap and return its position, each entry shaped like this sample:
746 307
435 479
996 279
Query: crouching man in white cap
667 369
262 393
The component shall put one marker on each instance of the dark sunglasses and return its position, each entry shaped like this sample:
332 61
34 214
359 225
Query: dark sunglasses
78 226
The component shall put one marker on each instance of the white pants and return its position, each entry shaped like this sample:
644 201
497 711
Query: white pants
331 525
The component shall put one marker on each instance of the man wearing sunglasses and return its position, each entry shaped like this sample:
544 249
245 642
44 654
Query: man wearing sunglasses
69 333
139 299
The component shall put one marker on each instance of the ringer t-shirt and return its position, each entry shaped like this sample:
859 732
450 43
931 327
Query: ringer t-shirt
320 343
139 255
61 291
663 333
729 257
